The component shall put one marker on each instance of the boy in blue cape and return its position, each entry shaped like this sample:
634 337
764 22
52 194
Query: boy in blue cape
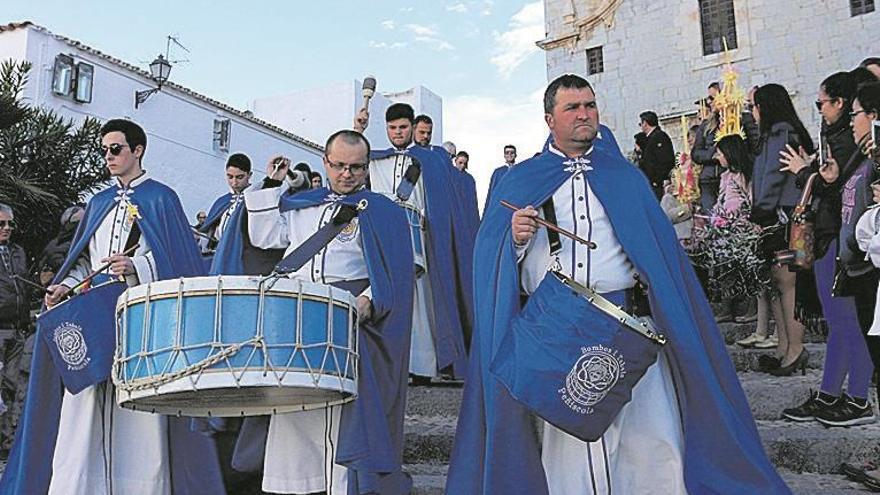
85 443
688 427
442 311
227 226
356 448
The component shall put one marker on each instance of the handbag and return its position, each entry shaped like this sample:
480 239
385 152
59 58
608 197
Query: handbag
573 356
800 254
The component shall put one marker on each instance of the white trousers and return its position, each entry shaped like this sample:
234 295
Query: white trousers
640 454
300 453
103 449
422 353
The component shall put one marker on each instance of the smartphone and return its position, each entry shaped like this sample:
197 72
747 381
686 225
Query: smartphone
823 145
875 131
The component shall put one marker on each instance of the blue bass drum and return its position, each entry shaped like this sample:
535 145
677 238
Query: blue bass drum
235 346
417 233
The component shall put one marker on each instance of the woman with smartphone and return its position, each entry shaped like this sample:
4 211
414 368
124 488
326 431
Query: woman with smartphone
847 357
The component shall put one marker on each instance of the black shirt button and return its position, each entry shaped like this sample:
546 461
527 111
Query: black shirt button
583 217
581 198
580 265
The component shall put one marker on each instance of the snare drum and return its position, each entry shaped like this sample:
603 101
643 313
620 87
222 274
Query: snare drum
417 232
235 346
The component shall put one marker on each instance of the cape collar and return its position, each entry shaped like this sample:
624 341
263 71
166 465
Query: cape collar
574 165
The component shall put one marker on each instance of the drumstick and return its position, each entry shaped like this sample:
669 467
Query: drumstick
28 282
101 269
554 228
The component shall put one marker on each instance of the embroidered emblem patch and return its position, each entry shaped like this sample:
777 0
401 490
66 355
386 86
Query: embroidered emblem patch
594 374
71 346
349 232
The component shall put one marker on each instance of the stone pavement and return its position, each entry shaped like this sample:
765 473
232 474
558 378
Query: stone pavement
807 455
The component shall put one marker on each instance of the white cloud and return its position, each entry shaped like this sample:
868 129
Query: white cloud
517 44
420 30
388 24
487 7
435 43
383 45
428 36
482 125
457 7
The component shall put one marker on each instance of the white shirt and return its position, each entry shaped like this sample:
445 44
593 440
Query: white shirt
579 211
235 201
111 237
386 174
342 259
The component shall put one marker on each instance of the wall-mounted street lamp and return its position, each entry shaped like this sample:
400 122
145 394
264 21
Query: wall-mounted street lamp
159 71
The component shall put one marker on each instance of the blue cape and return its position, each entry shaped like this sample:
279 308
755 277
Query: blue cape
450 255
497 175
228 256
163 225
371 429
496 450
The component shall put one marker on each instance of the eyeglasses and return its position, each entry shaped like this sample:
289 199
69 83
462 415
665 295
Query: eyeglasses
852 115
115 149
354 168
7 223
821 103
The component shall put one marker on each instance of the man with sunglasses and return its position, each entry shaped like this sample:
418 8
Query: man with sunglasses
14 300
13 294
422 179
84 442
356 447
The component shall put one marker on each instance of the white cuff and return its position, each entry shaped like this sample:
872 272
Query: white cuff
263 199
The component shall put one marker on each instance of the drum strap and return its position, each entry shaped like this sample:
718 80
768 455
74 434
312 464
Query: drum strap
356 287
410 177
317 241
552 237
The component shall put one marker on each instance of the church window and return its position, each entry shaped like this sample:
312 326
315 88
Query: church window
718 23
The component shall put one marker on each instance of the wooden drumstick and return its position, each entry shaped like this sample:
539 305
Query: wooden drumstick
32 284
101 269
554 228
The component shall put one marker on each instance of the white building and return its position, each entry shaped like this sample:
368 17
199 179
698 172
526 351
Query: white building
318 112
189 136
662 54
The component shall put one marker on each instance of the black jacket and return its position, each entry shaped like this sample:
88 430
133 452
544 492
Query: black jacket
14 296
657 157
826 197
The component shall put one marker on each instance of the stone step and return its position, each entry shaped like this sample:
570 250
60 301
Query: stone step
429 479
821 484
736 331
747 359
767 395
799 447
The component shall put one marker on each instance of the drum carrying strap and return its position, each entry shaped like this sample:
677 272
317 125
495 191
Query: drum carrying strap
410 177
317 241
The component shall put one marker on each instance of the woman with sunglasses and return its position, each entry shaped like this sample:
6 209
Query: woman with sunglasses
847 356
775 195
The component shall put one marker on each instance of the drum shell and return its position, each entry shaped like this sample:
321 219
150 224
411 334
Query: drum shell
235 346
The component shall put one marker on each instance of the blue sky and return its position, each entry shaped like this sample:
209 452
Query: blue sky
479 55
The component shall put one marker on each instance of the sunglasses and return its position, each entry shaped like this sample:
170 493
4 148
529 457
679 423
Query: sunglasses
853 115
115 149
7 223
821 103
